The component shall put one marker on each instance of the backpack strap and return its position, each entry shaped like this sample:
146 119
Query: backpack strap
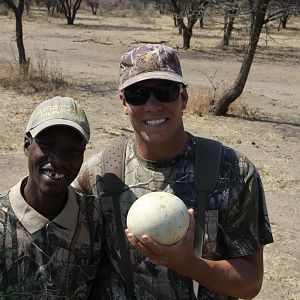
207 165
113 183
114 158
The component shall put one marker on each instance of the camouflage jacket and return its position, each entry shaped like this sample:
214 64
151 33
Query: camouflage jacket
236 218
42 259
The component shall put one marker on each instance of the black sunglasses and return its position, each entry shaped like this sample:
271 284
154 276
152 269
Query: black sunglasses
139 95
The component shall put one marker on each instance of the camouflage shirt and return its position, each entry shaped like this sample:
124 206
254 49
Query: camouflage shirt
42 259
236 218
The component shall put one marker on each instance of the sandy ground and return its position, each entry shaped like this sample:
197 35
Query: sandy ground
88 54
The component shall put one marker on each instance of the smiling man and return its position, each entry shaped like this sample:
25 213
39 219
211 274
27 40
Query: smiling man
162 157
50 235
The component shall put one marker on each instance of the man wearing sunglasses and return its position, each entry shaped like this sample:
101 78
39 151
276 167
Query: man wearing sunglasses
161 157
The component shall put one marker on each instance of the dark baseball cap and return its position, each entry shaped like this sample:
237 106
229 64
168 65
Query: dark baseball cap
62 111
150 61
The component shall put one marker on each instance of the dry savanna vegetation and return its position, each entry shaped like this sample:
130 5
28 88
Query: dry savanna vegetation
81 61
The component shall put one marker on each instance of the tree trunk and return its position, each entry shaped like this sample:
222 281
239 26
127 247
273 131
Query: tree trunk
251 12
94 7
188 32
228 26
179 20
175 20
222 104
19 39
201 17
27 6
69 10
284 21
75 8
70 20
201 21
18 11
187 35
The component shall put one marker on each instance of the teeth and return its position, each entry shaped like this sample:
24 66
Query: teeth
54 175
155 122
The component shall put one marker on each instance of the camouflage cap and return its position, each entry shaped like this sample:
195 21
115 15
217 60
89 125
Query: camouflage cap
63 111
149 61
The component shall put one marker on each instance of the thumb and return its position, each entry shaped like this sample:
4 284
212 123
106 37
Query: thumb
191 228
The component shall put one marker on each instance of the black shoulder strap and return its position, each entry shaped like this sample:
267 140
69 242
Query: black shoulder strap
113 180
207 165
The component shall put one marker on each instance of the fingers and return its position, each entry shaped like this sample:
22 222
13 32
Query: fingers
131 238
136 243
146 247
161 254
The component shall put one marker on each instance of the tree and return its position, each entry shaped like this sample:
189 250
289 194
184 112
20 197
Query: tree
230 11
259 11
18 9
94 6
192 10
70 9
283 10
53 7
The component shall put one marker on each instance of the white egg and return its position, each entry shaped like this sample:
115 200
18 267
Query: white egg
162 216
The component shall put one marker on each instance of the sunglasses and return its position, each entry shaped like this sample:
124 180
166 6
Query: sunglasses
139 95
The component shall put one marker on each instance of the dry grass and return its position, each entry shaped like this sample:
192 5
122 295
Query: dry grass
123 10
201 101
42 76
239 109
146 17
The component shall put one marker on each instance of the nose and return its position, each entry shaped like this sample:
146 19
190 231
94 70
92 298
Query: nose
153 104
58 160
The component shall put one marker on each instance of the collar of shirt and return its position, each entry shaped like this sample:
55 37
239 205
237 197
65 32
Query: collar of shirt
34 221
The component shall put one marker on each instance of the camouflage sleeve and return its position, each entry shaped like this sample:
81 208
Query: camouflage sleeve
247 224
85 182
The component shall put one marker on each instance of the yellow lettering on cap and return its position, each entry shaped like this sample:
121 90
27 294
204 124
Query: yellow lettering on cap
61 109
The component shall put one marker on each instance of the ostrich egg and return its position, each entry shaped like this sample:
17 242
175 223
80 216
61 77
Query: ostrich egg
162 216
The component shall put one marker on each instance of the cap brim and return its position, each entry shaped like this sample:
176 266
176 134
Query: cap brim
152 75
59 122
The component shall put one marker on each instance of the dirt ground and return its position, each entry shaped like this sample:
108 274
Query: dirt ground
88 55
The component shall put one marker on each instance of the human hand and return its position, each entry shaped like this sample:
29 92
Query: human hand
176 256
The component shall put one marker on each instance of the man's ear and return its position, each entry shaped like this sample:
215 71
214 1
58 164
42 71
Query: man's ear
27 143
184 98
123 103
